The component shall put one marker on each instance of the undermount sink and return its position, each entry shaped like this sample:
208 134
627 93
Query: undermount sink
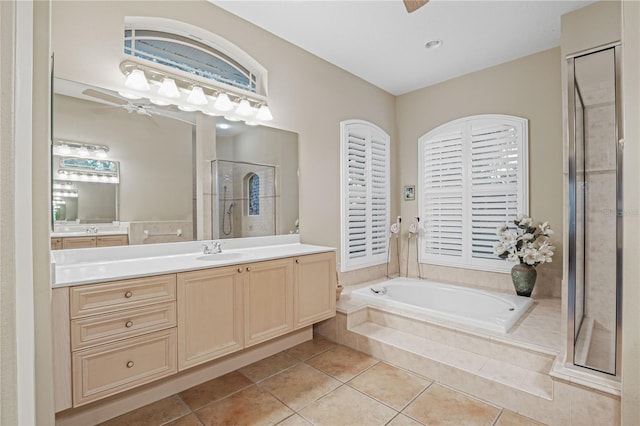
222 257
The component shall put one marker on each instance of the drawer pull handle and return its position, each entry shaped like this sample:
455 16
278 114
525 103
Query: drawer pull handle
128 294
128 324
239 269
297 260
129 364
248 269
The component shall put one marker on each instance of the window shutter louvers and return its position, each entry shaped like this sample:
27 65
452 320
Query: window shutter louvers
365 194
473 177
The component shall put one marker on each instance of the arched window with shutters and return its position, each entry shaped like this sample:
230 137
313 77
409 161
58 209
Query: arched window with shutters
365 205
473 176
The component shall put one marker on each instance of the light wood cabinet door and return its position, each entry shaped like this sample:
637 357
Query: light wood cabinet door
112 240
78 242
109 369
210 314
315 288
268 300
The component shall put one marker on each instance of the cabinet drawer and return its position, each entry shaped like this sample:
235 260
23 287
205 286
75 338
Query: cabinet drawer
78 242
108 369
99 329
112 240
118 295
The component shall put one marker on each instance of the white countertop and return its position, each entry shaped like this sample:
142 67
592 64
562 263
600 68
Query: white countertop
86 234
84 266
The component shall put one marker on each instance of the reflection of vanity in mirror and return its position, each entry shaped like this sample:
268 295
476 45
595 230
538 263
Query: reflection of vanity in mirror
177 176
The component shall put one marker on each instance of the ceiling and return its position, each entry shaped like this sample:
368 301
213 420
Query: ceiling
381 43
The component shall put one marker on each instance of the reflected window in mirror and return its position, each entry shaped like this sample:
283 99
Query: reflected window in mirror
253 189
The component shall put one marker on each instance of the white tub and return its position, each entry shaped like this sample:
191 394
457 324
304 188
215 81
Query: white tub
477 308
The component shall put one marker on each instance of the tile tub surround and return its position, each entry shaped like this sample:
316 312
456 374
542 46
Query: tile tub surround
298 387
511 371
84 266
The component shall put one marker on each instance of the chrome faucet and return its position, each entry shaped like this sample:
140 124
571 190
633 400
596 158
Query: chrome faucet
214 248
91 229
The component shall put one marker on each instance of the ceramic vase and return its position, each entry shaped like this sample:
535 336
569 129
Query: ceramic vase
524 278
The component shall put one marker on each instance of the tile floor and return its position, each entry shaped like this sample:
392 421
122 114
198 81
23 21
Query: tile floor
320 383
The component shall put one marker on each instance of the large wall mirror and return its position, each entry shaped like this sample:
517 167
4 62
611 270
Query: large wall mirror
166 185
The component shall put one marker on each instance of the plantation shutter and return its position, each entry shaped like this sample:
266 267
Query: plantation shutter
473 177
442 183
365 194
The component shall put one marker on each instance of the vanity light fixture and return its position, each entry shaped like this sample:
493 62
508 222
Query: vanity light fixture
190 94
197 97
244 108
136 80
169 89
264 113
79 149
223 103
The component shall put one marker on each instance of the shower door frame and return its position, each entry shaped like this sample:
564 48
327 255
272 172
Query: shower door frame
618 129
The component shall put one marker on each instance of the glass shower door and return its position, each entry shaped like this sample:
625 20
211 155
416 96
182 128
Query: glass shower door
595 225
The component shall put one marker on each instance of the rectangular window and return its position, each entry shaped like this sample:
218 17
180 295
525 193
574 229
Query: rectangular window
365 207
473 177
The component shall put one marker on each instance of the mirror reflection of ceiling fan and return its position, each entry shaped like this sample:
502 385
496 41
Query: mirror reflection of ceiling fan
413 5
141 107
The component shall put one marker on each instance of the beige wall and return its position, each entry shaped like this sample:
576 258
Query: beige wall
528 87
306 94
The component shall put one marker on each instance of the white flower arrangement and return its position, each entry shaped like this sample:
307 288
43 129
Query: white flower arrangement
528 243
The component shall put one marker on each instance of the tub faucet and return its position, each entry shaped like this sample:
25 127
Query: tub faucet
214 248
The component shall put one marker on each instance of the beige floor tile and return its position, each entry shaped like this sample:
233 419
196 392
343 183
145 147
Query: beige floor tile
442 406
346 406
189 420
157 413
251 406
294 420
342 363
269 366
311 348
509 418
390 385
299 386
402 420
215 389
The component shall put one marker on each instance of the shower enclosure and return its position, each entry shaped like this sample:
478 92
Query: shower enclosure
595 210
244 199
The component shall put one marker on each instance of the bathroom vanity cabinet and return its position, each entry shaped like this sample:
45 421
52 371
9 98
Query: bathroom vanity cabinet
89 241
115 336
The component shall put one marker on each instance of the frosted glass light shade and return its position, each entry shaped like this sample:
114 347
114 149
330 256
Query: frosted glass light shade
264 113
244 108
197 97
169 89
223 103
137 81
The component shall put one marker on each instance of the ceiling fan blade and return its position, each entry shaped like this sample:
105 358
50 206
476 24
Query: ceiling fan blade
104 96
413 5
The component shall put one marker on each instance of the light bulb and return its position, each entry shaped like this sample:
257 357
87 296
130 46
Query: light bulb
264 113
186 108
168 88
244 108
159 102
63 149
136 80
223 103
197 97
129 95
